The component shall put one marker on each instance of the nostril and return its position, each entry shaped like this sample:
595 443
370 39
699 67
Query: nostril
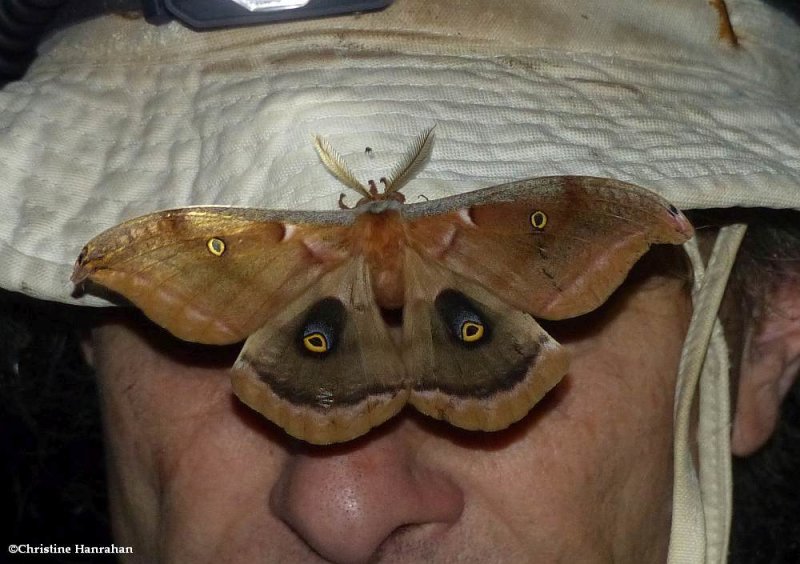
347 505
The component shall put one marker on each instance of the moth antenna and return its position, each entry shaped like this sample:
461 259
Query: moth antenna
335 164
342 205
414 159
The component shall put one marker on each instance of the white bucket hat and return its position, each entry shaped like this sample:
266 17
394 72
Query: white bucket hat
696 100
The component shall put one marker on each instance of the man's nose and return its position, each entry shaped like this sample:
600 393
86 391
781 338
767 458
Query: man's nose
345 503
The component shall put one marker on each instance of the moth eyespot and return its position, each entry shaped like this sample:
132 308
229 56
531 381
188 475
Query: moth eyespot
463 319
316 343
216 246
471 332
538 219
322 327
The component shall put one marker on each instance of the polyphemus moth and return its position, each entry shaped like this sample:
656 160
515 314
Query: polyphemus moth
349 315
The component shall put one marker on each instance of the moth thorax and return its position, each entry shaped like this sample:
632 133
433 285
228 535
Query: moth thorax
381 239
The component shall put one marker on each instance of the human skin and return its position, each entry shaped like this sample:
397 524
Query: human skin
195 476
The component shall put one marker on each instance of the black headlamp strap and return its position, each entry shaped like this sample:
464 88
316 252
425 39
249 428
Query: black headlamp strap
23 23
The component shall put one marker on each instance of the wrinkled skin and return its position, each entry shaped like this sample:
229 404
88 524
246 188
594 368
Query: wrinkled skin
585 477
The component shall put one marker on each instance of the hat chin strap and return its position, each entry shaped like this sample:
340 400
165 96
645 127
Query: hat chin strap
701 511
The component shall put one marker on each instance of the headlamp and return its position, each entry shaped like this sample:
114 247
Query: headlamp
24 22
211 14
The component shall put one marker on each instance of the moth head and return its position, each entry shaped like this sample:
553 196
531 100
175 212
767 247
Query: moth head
412 162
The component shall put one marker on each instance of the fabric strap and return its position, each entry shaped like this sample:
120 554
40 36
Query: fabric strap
702 500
